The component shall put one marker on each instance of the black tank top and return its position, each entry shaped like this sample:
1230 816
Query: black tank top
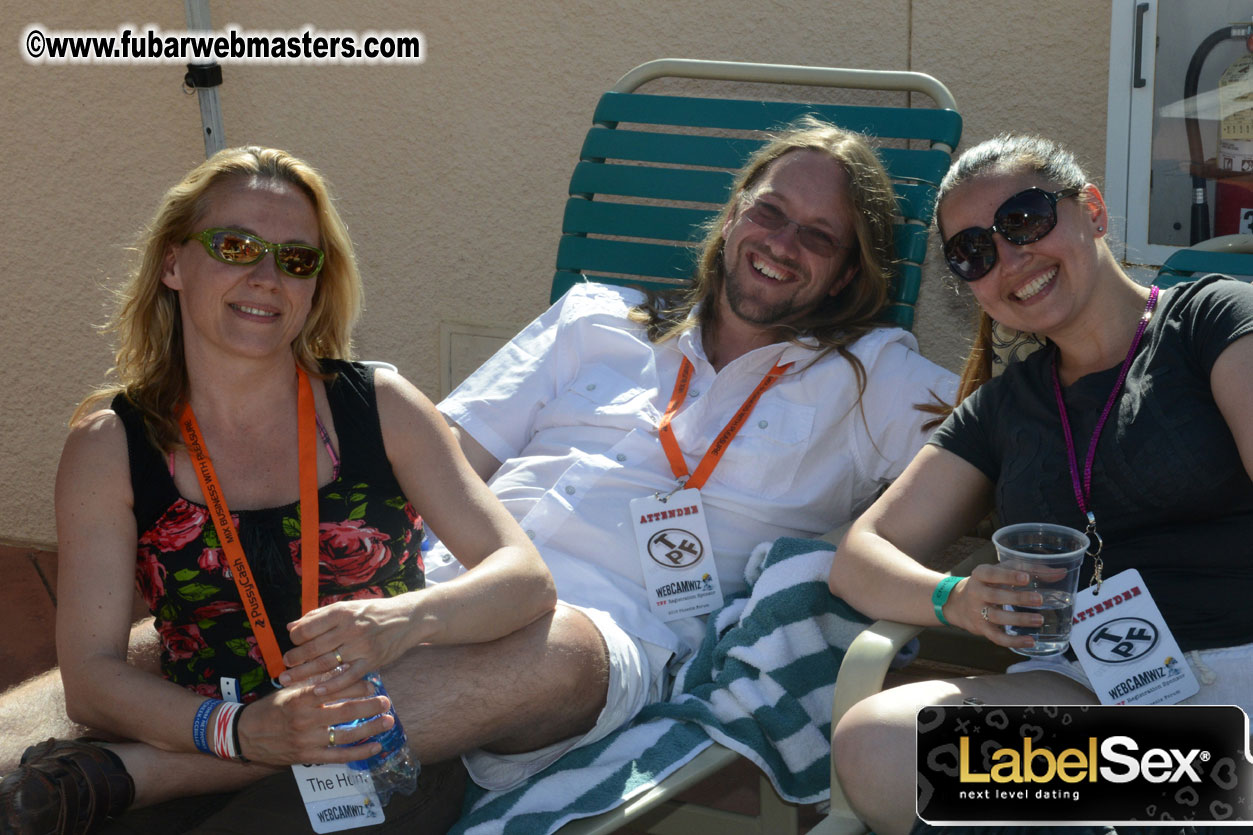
369 535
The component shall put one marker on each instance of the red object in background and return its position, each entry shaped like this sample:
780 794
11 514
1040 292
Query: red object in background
1233 192
1233 207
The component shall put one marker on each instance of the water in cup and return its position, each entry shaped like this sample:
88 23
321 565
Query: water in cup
1053 556
1054 634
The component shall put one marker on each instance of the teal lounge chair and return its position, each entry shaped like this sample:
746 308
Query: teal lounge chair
1229 254
653 170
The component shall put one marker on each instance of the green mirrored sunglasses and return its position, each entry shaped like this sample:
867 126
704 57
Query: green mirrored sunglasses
230 246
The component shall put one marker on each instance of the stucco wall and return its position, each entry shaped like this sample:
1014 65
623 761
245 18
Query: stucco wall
451 174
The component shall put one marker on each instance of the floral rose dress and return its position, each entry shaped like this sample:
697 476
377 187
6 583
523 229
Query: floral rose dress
369 546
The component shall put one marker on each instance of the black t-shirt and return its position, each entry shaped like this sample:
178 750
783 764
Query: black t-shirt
1170 492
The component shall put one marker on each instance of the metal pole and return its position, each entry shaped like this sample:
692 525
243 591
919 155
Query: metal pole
210 110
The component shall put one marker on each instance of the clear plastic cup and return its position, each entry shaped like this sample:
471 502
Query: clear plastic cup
1053 556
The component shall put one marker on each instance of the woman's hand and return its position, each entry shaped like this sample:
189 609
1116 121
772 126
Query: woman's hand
356 636
977 604
293 725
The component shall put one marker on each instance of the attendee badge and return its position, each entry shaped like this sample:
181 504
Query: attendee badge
338 797
680 576
1121 640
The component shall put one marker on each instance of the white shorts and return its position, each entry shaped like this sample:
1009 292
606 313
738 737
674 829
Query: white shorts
1225 674
637 677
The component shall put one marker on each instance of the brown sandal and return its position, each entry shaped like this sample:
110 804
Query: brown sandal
64 786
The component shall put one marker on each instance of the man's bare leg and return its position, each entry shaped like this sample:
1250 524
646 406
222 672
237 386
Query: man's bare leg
542 684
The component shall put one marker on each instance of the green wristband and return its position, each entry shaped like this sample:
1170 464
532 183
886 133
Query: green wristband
940 596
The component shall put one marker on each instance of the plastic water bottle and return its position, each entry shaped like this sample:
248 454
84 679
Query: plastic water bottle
394 769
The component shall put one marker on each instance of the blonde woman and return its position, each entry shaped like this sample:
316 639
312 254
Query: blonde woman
267 496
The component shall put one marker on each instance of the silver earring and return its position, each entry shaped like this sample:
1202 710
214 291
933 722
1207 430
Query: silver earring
1100 228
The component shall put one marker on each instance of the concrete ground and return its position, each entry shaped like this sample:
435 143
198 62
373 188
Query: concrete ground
27 613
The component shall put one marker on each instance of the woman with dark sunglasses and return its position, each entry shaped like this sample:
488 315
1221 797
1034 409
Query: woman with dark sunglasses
1132 422
267 497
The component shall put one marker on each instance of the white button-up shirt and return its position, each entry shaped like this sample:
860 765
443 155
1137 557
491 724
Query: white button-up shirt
572 404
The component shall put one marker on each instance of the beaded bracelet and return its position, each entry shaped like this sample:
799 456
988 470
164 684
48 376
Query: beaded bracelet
940 596
200 726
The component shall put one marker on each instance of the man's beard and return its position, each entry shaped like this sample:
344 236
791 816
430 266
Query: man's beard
757 311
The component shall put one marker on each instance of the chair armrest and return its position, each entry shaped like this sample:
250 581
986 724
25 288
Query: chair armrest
861 676
866 664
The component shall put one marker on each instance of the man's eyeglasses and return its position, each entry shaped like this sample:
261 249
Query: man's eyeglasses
771 219
231 246
1023 219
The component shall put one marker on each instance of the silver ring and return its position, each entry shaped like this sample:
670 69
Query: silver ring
984 612
339 659
330 734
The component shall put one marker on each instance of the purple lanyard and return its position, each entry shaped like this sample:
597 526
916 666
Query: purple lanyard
1084 491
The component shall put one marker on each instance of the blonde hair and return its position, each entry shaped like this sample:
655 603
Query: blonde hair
149 362
839 320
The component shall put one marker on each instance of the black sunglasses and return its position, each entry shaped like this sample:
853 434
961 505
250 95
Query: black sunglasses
1023 219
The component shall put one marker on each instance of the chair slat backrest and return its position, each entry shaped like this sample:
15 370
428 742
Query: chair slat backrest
655 169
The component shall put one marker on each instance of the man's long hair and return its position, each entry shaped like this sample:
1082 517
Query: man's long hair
839 320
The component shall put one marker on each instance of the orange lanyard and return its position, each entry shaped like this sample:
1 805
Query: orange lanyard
249 595
678 464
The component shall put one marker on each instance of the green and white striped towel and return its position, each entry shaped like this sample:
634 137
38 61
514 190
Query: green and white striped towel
760 684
